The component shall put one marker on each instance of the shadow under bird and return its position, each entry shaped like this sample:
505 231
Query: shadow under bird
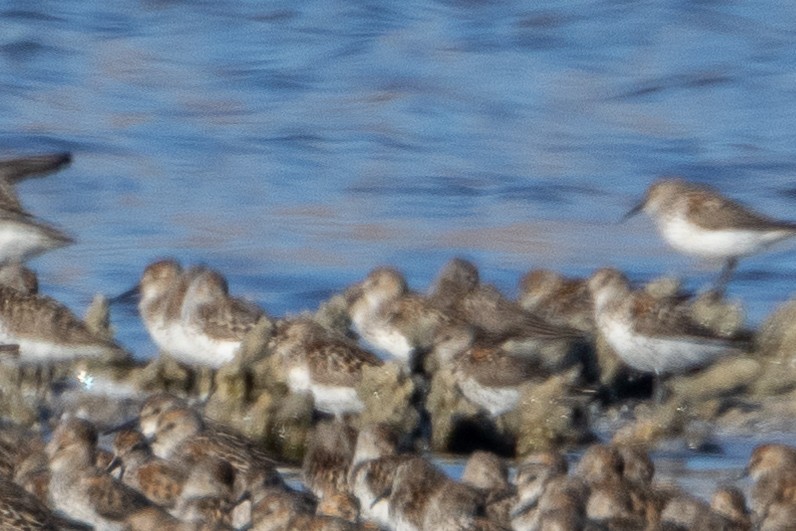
697 220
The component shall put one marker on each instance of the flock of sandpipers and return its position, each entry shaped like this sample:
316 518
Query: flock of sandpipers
173 469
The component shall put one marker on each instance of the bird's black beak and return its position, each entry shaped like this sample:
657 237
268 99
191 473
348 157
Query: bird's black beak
129 296
632 212
128 424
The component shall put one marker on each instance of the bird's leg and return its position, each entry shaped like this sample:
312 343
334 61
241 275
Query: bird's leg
658 392
725 275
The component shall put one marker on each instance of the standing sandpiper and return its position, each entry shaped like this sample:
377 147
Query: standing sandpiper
697 220
214 322
646 334
162 290
190 314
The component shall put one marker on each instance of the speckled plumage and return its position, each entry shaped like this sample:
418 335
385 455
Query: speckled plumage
325 364
47 330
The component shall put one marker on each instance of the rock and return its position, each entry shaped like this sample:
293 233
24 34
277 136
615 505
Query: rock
776 351
725 377
725 318
388 394
18 408
447 406
166 374
255 344
664 287
549 416
98 319
333 315
652 424
290 422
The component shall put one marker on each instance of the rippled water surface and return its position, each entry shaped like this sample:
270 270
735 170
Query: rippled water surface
295 147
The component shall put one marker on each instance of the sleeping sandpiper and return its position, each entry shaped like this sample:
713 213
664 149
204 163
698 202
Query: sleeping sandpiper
459 292
556 298
78 488
190 314
372 470
214 322
325 364
391 318
182 434
45 330
697 220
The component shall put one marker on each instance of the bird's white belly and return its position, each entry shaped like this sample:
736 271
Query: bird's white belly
390 341
691 239
496 400
19 242
336 400
659 354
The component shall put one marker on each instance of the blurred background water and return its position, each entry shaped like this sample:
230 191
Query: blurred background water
295 146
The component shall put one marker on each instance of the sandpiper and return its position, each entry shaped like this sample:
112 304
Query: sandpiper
327 459
20 278
491 378
323 363
558 299
190 314
21 511
534 473
152 408
485 373
730 504
647 335
612 499
414 484
202 491
372 470
80 490
459 292
207 494
161 481
45 330
162 290
457 506
272 508
697 220
181 434
213 322
23 237
391 318
489 475
772 468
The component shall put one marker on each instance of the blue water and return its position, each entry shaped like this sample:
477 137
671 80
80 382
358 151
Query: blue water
295 147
